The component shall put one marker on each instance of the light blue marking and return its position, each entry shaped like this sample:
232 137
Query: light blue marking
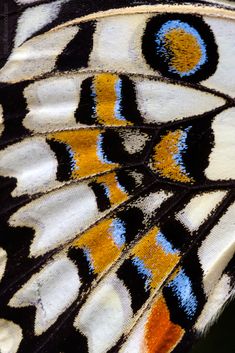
145 272
117 108
106 190
182 287
100 152
71 155
118 231
120 186
89 259
93 92
165 244
160 41
182 147
93 95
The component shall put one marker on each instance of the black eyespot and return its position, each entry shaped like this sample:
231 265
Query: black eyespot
180 47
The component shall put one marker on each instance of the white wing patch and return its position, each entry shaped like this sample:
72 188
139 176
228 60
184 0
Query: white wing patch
217 249
222 158
51 291
3 262
10 336
57 217
33 163
26 2
152 202
37 56
199 209
161 102
135 342
220 295
33 19
104 315
224 31
117 44
1 120
52 103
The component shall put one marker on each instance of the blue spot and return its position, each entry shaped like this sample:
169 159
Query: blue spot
89 259
72 158
182 147
145 272
182 287
106 190
117 109
165 244
100 152
118 230
120 186
160 44
93 95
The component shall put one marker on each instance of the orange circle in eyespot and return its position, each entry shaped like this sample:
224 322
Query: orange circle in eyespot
180 46
184 49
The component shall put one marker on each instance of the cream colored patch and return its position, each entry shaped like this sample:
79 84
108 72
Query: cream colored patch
57 217
117 44
133 141
33 164
26 2
3 262
10 336
224 32
161 102
52 103
138 177
104 315
217 249
199 208
222 158
135 342
37 56
150 203
35 18
51 291
214 304
1 120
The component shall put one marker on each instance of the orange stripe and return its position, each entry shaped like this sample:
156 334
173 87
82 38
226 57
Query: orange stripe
155 258
106 98
163 158
83 144
116 194
98 240
161 335
184 48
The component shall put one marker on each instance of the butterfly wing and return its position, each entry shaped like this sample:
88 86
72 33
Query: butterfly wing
117 176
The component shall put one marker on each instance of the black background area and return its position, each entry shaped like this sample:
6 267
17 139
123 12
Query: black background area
220 338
